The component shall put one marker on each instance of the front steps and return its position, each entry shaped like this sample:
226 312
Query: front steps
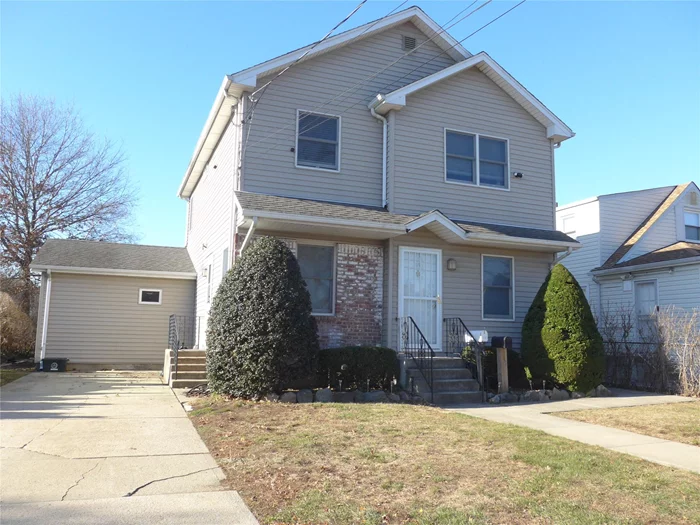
191 369
453 383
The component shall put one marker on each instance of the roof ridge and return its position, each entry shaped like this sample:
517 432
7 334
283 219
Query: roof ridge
117 243
645 225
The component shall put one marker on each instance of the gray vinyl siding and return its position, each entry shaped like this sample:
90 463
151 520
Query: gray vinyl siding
461 288
471 102
622 213
662 233
269 163
211 206
98 318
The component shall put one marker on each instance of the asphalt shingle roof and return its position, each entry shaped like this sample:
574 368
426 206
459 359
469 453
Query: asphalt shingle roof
672 252
113 256
305 207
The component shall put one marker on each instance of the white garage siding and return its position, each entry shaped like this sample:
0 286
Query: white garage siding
98 318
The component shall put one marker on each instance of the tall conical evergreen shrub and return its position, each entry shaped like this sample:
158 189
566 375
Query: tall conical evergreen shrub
560 339
260 332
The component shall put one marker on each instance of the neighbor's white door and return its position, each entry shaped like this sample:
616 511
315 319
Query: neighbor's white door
645 299
420 289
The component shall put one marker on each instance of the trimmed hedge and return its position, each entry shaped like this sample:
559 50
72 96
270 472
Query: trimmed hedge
260 332
378 364
560 339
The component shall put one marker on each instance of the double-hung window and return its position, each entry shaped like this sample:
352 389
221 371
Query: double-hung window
471 158
497 284
692 226
317 264
318 141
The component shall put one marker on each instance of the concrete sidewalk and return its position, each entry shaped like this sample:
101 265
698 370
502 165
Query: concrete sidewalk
537 416
93 442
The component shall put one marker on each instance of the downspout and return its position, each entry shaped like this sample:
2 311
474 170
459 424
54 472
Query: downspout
595 279
232 223
384 134
45 321
559 259
249 234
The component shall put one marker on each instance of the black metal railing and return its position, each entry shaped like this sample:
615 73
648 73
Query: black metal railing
459 341
183 333
416 346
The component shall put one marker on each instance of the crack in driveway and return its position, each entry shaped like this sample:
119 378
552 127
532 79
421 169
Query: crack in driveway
129 494
82 477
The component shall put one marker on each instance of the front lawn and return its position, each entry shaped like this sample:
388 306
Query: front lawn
7 375
675 421
376 464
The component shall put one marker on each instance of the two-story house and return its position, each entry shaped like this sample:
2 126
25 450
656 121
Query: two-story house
640 250
410 177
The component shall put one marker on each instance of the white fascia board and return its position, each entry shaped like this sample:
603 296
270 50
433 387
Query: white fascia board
438 217
509 241
415 14
556 129
649 266
313 219
219 115
576 203
114 271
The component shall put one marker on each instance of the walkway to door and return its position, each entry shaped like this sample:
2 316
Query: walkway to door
537 416
106 448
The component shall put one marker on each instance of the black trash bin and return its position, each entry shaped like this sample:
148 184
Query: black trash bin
54 364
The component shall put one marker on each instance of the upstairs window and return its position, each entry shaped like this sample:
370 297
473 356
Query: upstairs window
474 159
692 226
318 141
568 226
317 264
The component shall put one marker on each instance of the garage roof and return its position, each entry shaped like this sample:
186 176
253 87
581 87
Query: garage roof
113 258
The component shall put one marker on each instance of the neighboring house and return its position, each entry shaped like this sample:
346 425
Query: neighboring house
640 249
409 177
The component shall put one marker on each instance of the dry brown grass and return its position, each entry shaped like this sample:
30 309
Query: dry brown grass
374 464
676 422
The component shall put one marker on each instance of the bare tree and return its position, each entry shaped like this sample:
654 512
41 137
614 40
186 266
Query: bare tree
56 179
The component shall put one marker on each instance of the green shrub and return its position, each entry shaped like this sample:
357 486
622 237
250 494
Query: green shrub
517 377
379 365
260 332
560 339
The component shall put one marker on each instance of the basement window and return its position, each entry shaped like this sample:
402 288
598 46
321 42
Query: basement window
147 296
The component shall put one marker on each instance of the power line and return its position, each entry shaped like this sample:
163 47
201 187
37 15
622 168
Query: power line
352 89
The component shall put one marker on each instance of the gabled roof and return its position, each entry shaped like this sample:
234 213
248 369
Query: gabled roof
78 256
451 230
234 85
556 129
625 247
673 254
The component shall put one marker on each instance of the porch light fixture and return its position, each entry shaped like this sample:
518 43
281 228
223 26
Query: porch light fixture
451 265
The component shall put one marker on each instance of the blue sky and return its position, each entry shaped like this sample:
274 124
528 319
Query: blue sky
624 75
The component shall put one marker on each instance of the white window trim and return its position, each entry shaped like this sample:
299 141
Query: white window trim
692 211
296 141
512 286
403 249
564 218
160 296
477 183
335 271
643 280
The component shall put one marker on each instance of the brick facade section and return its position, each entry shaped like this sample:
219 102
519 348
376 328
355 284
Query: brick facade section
358 298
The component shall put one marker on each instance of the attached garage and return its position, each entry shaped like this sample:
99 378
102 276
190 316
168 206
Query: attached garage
109 303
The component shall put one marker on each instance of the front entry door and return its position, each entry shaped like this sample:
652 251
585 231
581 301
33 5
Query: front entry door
420 289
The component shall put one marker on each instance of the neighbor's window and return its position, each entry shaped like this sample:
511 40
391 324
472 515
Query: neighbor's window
318 141
149 296
692 226
474 159
497 281
317 269
568 226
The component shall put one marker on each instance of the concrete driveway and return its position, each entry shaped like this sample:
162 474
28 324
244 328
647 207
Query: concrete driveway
106 448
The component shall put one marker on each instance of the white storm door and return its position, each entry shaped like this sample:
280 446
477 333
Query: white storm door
420 290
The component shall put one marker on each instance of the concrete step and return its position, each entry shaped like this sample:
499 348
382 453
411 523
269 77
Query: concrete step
192 353
455 385
186 383
456 398
190 367
189 375
439 362
444 373
201 361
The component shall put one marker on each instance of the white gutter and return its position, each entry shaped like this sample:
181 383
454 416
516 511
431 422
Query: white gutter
45 321
248 235
384 148
112 271
559 259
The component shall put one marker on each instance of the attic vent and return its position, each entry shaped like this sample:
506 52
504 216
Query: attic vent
409 42
693 199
